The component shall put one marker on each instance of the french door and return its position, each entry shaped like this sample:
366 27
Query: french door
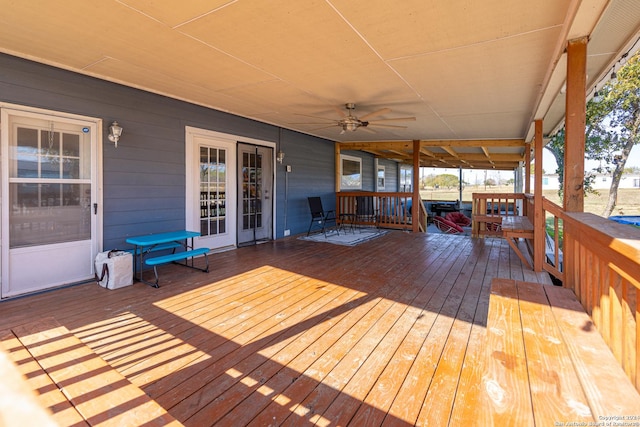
229 189
49 202
255 190
210 189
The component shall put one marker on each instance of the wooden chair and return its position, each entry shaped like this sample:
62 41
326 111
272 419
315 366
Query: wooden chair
319 216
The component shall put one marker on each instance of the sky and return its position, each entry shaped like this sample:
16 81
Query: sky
549 162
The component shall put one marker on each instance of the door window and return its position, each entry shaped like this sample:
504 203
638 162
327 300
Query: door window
251 190
213 202
49 186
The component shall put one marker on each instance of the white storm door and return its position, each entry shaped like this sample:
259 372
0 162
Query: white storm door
48 197
211 194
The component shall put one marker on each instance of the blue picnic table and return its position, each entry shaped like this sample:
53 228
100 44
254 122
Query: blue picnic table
147 243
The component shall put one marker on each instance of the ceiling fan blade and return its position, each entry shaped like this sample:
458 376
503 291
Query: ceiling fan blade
310 123
366 129
397 119
315 117
323 127
386 126
342 113
375 113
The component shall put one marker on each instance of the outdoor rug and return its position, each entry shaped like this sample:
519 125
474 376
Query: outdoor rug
346 238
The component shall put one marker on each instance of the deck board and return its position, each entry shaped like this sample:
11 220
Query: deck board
49 395
507 401
555 387
385 333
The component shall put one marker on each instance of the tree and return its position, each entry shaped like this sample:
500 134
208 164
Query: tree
615 123
612 129
448 180
443 180
556 147
632 170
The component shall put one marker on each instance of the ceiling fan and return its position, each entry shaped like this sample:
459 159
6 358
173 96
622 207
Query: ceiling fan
349 122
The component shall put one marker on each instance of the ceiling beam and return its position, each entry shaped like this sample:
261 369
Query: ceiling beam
449 157
426 152
473 143
407 145
450 151
377 145
481 157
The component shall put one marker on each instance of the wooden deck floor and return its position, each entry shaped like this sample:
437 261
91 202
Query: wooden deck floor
297 333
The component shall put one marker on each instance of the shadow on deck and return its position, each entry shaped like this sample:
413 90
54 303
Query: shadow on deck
389 332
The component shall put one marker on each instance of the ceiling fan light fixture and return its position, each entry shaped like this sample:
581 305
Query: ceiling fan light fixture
351 126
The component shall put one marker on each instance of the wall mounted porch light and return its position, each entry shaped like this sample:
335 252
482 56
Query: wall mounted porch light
114 133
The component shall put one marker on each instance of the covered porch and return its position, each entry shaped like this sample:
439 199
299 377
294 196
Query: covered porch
391 332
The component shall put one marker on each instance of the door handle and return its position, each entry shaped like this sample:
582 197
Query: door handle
95 209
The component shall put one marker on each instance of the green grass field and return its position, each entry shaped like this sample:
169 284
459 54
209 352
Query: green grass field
628 198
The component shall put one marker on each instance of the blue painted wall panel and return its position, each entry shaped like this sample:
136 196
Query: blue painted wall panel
144 178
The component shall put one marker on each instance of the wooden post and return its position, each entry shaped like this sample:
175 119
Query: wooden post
527 168
575 120
338 166
415 207
539 226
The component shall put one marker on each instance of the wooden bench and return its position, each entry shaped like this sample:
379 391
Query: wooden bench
76 385
517 227
545 363
178 256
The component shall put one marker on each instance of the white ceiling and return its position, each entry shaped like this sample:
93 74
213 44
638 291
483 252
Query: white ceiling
465 69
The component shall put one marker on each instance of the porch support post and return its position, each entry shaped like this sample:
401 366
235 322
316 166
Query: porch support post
575 114
539 226
527 168
338 179
337 166
415 208
460 186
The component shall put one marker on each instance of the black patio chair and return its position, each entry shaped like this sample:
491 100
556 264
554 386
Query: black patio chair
319 216
365 211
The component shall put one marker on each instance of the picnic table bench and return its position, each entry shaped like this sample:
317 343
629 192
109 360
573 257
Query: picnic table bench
145 244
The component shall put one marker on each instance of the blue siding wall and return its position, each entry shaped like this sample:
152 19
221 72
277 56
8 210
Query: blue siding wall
144 178
312 174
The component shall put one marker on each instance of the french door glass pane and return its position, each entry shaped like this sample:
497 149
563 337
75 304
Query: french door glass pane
212 191
251 191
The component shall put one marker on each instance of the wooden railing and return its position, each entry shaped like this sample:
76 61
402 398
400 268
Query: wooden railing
487 210
602 266
553 259
597 258
390 210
